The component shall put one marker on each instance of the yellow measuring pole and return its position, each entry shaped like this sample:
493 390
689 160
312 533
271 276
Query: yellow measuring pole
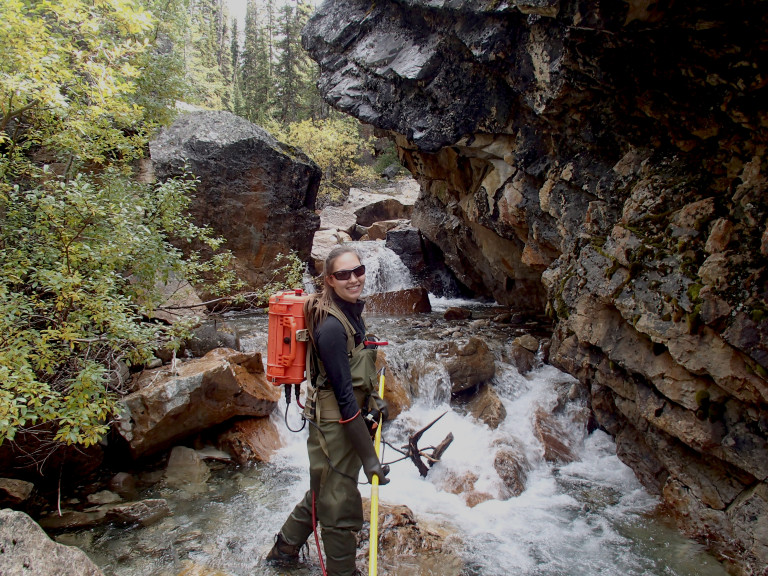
373 544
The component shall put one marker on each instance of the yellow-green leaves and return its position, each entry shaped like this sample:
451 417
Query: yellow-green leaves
71 69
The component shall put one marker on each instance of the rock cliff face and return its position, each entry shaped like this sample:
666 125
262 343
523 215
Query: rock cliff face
605 161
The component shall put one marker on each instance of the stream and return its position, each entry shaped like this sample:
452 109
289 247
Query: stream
584 518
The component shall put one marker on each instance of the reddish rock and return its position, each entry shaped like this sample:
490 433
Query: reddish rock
473 498
512 467
378 230
460 484
469 365
487 406
399 302
203 392
251 440
396 394
720 236
553 438
454 313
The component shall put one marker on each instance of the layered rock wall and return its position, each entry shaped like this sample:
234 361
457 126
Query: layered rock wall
605 161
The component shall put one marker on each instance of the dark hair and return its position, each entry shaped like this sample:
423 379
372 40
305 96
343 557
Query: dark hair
317 305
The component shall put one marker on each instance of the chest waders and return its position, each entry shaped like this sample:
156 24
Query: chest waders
334 465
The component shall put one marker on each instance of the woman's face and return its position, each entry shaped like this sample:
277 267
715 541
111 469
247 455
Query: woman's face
351 288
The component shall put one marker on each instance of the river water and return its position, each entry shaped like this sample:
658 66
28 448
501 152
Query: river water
585 518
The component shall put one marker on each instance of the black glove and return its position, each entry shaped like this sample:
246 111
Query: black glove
381 409
358 435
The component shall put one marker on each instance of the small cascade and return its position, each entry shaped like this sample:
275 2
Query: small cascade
384 271
589 516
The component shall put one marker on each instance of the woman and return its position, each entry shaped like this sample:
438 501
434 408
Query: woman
341 392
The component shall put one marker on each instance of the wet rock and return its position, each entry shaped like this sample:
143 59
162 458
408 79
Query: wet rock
521 358
486 405
469 365
169 407
254 191
454 313
528 342
553 437
103 497
512 467
251 440
145 512
190 568
473 498
14 493
396 393
401 537
124 484
74 519
460 484
26 549
186 469
399 302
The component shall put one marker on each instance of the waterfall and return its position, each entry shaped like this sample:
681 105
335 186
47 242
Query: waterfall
384 271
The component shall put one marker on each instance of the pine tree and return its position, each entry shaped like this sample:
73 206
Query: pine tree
205 49
256 70
294 67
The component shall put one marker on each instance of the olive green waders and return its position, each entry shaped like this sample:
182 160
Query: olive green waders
334 466
338 505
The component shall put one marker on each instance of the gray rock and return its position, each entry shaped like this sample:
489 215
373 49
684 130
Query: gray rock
27 550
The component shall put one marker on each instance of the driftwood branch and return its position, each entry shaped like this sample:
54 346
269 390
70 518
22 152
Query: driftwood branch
416 455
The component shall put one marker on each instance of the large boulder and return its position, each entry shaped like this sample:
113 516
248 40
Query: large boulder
172 403
25 550
253 190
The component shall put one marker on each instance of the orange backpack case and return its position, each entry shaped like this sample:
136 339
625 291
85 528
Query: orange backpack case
287 338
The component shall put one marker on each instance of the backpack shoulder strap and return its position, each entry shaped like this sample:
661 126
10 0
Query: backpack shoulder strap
336 312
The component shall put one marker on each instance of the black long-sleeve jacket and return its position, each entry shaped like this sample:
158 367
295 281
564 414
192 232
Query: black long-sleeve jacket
331 341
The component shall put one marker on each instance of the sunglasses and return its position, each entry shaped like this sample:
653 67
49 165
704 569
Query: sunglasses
346 274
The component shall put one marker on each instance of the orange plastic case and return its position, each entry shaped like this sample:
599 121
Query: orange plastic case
286 338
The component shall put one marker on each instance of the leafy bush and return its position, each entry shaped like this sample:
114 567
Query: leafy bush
79 263
83 245
335 145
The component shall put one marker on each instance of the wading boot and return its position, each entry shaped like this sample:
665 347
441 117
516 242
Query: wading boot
282 552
